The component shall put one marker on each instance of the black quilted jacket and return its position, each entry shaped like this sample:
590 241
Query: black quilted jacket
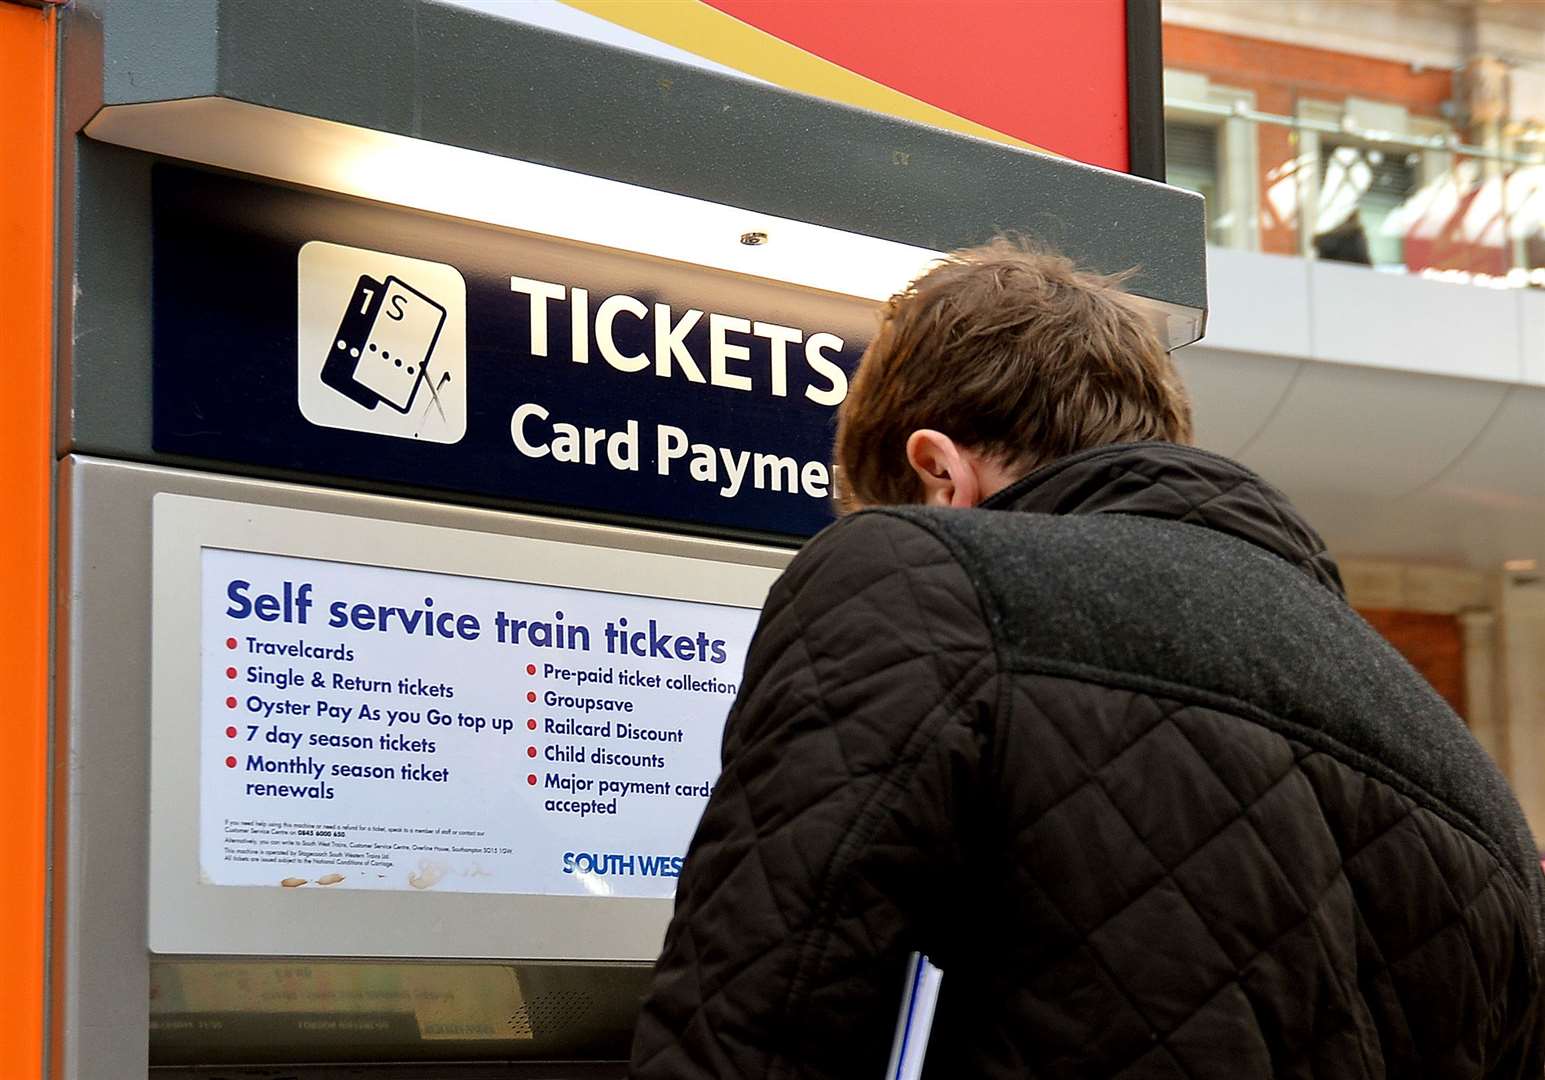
1117 755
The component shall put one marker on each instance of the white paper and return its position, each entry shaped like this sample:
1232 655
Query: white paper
339 755
919 998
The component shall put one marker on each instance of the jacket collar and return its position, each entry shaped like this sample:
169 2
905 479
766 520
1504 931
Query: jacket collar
1176 483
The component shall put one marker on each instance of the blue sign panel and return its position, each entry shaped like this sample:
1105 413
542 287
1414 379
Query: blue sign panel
334 337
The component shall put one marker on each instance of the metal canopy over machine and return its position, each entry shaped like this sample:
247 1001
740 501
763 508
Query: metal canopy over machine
584 233
305 93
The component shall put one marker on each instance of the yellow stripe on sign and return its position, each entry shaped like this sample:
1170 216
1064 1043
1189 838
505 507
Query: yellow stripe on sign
708 32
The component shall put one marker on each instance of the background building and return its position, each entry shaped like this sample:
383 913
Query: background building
1376 202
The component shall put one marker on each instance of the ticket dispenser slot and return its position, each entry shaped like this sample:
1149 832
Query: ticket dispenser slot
436 1019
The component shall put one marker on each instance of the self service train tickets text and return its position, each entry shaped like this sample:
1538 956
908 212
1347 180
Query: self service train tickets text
294 602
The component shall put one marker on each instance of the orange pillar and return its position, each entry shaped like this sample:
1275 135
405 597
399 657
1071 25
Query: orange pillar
27 145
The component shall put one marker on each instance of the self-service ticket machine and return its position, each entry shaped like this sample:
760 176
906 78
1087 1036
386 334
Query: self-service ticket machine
439 397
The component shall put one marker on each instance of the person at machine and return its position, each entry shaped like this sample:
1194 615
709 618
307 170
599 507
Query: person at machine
1081 713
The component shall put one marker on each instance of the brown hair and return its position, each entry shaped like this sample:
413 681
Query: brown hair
1013 352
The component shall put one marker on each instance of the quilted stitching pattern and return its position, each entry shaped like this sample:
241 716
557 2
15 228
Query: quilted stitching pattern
813 832
1119 881
1263 913
1176 483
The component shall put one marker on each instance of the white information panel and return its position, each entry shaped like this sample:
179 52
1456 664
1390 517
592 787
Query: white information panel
347 706
375 728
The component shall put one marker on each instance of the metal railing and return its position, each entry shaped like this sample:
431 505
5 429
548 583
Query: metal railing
1407 202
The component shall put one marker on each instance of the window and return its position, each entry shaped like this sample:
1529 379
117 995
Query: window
1191 162
1370 182
1212 148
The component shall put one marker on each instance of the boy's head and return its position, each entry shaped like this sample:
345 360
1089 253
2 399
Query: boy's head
999 360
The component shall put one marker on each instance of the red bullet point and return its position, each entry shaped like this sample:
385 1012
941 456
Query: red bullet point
530 669
230 733
531 724
531 751
531 779
230 703
230 763
230 673
530 695
230 643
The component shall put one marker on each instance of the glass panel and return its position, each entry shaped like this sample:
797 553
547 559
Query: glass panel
1362 190
1285 181
1455 224
1418 204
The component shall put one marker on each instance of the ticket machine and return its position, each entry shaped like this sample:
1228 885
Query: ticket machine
438 397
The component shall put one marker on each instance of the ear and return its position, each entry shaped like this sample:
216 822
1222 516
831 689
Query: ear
949 473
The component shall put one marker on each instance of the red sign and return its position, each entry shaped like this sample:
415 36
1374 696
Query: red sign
1050 72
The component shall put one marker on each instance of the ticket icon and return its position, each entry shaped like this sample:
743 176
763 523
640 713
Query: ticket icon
380 343
384 347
